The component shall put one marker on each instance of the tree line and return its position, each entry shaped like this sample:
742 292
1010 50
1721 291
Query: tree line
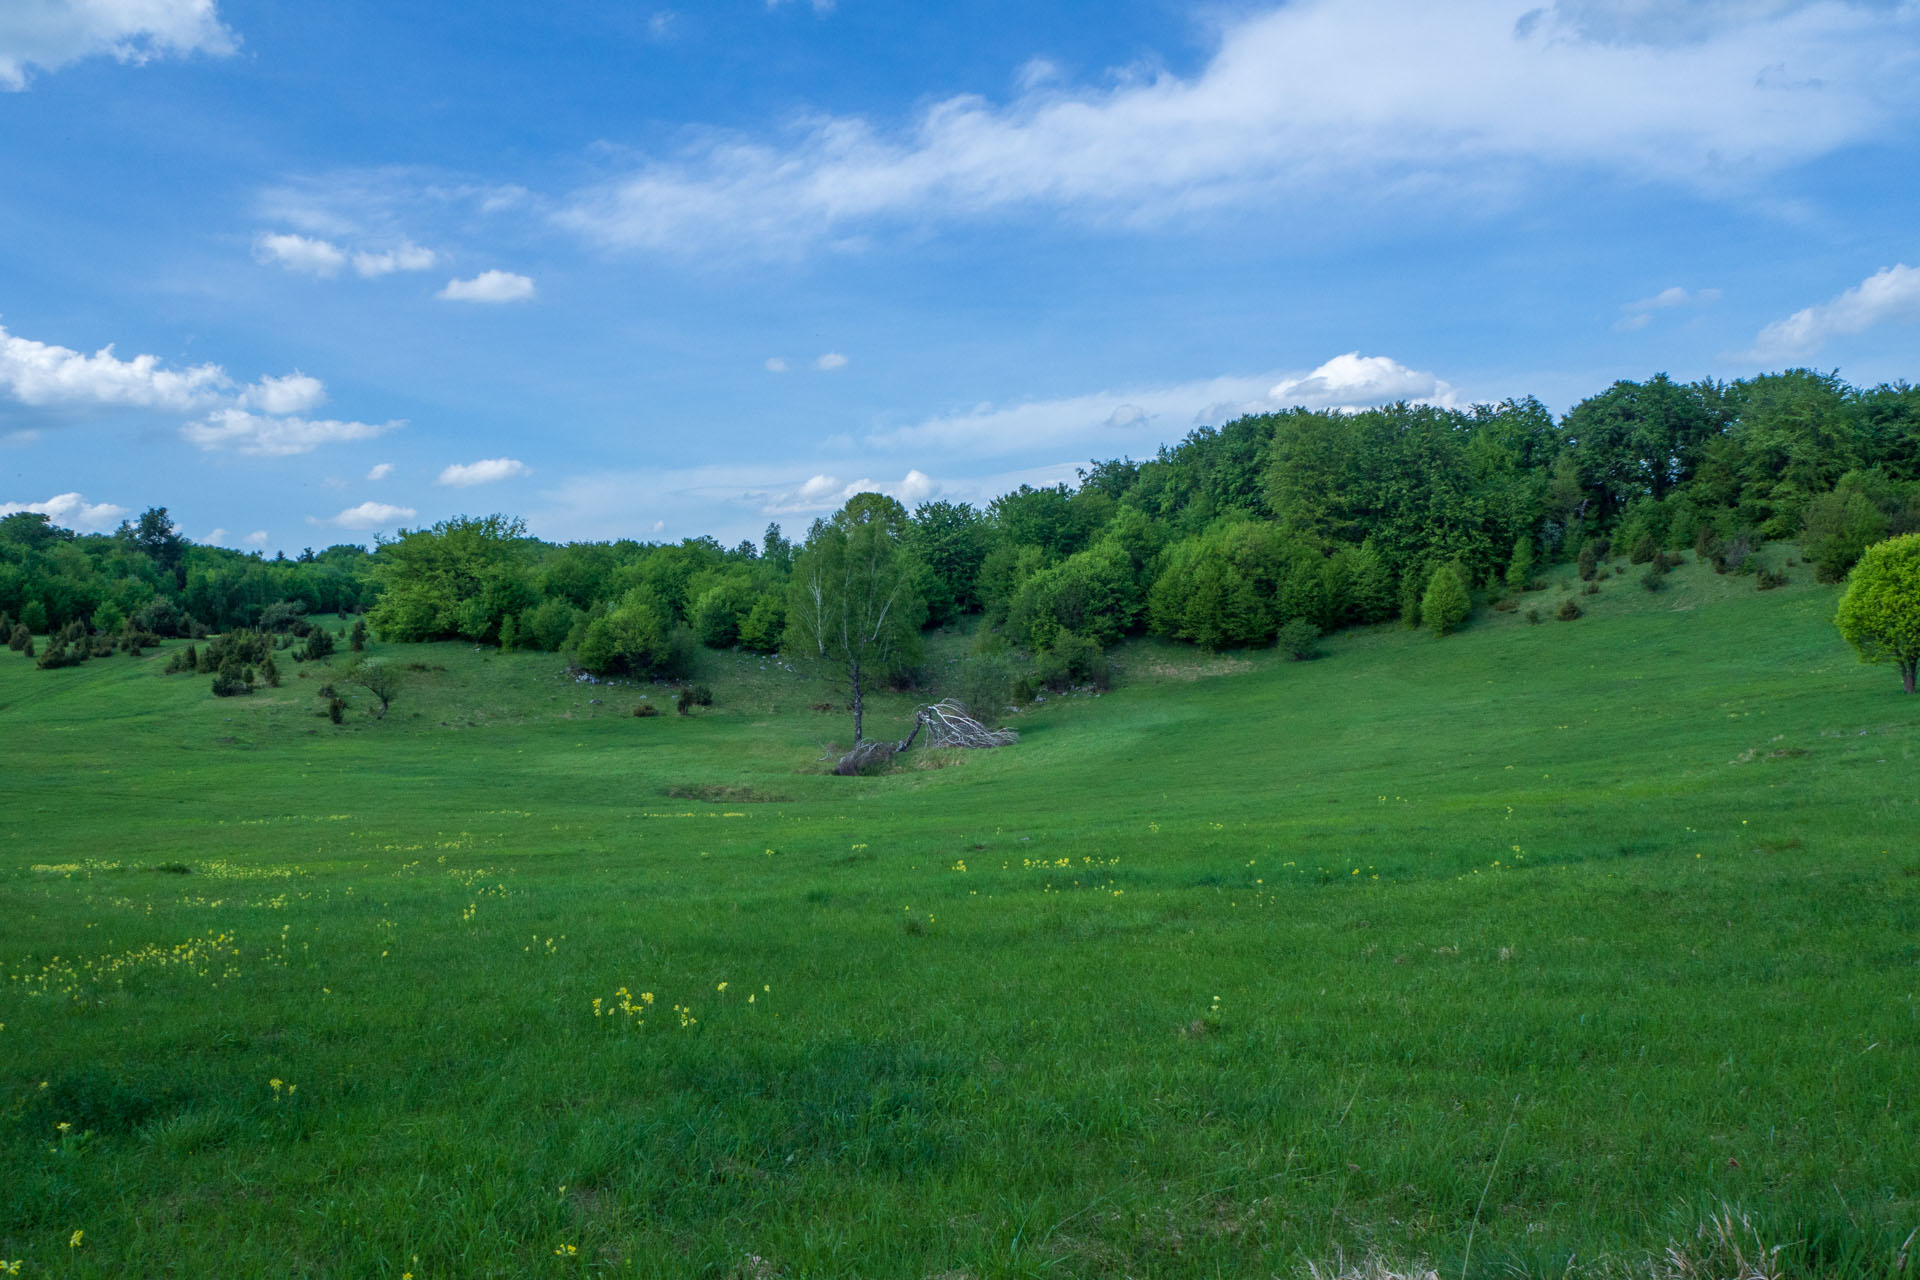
1274 527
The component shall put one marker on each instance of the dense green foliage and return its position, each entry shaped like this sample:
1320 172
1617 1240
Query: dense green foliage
1561 937
1880 613
1223 540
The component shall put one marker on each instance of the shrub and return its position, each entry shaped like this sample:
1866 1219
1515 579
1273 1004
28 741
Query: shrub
645 709
1533 616
1655 578
691 696
20 638
231 681
1569 610
1506 604
320 644
1768 580
1591 589
336 709
1589 560
109 618
284 615
765 624
269 672
1299 639
1071 659
159 616
60 653
985 682
1644 550
1446 603
357 638
1520 568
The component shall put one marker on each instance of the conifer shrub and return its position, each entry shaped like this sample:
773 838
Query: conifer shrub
357 638
320 644
1655 578
336 709
645 709
1644 550
1769 579
1591 589
60 653
1533 616
1569 610
1589 560
269 672
20 637
1446 603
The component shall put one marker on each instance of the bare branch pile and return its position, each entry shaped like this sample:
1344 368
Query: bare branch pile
949 725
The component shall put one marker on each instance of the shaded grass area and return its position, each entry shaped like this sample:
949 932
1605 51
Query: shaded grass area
1246 966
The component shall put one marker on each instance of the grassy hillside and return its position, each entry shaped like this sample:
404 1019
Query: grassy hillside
1552 943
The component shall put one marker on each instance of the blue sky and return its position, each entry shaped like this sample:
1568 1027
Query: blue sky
304 273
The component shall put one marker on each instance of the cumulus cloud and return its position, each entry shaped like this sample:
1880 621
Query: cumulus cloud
1890 295
1639 314
40 373
1302 100
269 436
71 511
489 286
294 393
830 361
369 515
299 253
776 364
1354 381
380 471
463 475
50 34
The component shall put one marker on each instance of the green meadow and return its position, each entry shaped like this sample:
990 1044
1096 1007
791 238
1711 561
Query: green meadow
1583 947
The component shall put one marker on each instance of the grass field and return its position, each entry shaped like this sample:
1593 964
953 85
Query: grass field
1535 950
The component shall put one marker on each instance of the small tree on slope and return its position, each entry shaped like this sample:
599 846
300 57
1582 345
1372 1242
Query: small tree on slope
1880 613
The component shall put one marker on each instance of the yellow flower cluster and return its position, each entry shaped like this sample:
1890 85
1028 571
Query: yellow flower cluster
623 1003
214 957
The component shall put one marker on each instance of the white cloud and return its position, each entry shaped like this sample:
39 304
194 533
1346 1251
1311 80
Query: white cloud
50 34
71 511
216 537
820 7
294 393
775 364
830 361
1888 295
1306 99
258 538
486 471
489 286
380 471
822 493
1638 314
39 373
299 253
264 436
318 257
1354 381
19 439
369 515
1139 418
406 257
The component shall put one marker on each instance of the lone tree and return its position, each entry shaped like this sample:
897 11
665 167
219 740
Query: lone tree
383 680
855 602
1880 613
1446 603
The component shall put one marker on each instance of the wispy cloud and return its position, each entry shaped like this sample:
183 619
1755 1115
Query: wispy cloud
1639 313
314 256
1313 98
1890 295
380 471
831 361
1139 418
50 34
269 436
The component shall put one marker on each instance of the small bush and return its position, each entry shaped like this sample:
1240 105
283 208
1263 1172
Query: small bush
1589 561
1591 589
20 637
336 709
1506 604
1299 640
985 682
320 644
1655 578
1769 580
645 709
60 653
1569 610
691 696
1533 616
357 638
1644 550
1446 603
229 682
